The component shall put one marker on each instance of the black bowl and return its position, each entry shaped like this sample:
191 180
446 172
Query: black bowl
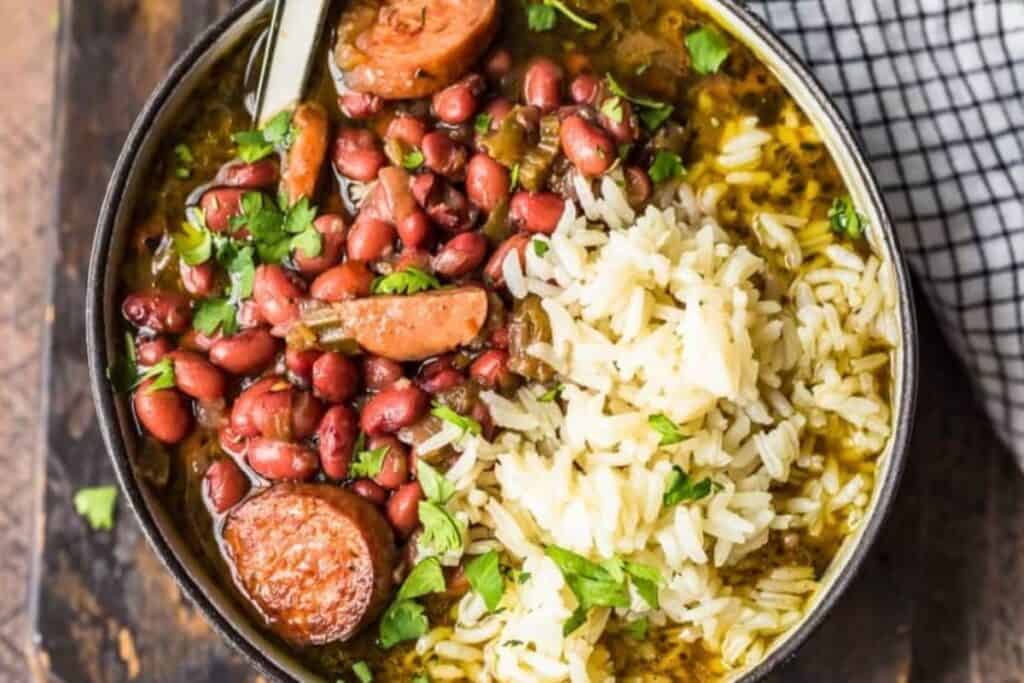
118 428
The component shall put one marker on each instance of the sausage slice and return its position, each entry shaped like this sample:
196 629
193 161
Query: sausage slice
316 560
306 156
412 48
414 327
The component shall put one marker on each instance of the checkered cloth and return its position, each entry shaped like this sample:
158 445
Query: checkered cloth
935 89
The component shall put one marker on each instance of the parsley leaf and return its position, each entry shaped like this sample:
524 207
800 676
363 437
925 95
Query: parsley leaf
368 463
123 374
426 577
299 216
844 219
436 486
669 430
540 247
666 165
411 280
485 578
681 487
242 270
646 579
482 123
254 145
466 424
404 620
708 49
309 242
362 671
441 533
612 108
653 117
194 242
96 504
162 375
513 181
412 160
215 313
616 89
574 621
552 394
637 629
279 130
592 584
183 153
540 17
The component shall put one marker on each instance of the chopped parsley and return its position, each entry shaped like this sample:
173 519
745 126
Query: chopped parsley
124 372
653 118
362 671
552 394
194 241
96 504
441 532
410 280
669 430
513 182
681 487
844 219
612 108
594 585
540 247
213 314
183 155
368 463
404 620
543 15
426 577
161 374
708 49
484 576
652 112
466 424
637 629
413 160
254 145
666 165
482 123
435 485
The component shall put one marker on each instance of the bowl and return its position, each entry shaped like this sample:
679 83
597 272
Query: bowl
115 418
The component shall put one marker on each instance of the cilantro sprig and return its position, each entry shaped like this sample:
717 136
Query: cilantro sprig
254 145
368 464
543 16
666 166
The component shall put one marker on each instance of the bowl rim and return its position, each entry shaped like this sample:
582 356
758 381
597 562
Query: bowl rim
104 397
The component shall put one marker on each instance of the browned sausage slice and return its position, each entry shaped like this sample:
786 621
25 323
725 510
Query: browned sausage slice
414 327
307 153
412 48
317 560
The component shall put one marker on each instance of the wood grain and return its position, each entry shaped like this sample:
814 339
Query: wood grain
939 599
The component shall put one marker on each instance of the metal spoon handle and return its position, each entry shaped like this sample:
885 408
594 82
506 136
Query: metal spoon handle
291 46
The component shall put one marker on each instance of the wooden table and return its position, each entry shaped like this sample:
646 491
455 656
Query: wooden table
941 597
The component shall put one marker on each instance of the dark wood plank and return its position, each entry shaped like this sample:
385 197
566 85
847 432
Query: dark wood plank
105 610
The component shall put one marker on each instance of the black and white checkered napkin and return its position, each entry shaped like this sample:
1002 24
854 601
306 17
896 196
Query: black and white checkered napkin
935 89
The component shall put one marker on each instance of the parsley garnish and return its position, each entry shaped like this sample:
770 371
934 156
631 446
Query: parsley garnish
124 372
669 430
707 48
482 123
594 585
194 241
681 487
637 629
96 504
466 424
844 219
513 181
368 463
441 533
541 16
484 576
653 113
362 671
410 280
612 108
162 375
404 620
436 486
653 118
540 247
552 394
426 577
254 145
666 165
215 313
413 160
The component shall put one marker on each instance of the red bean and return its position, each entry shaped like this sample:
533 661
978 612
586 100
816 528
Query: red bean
246 352
357 154
259 174
199 280
152 351
194 340
300 363
487 182
380 372
461 255
332 229
414 258
490 369
247 415
397 406
197 377
498 109
224 485
443 155
542 84
359 105
277 293
439 376
306 413
335 377
407 129
370 239
164 413
271 414
157 310
492 271
587 146
638 186
370 491
249 315
625 128
584 88
481 414
394 468
339 429
414 229
220 205
456 103
498 64
403 508
536 211
231 442
350 280
281 460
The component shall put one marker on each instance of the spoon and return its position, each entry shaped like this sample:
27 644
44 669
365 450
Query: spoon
288 58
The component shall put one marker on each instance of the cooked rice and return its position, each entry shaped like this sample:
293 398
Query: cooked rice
757 350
